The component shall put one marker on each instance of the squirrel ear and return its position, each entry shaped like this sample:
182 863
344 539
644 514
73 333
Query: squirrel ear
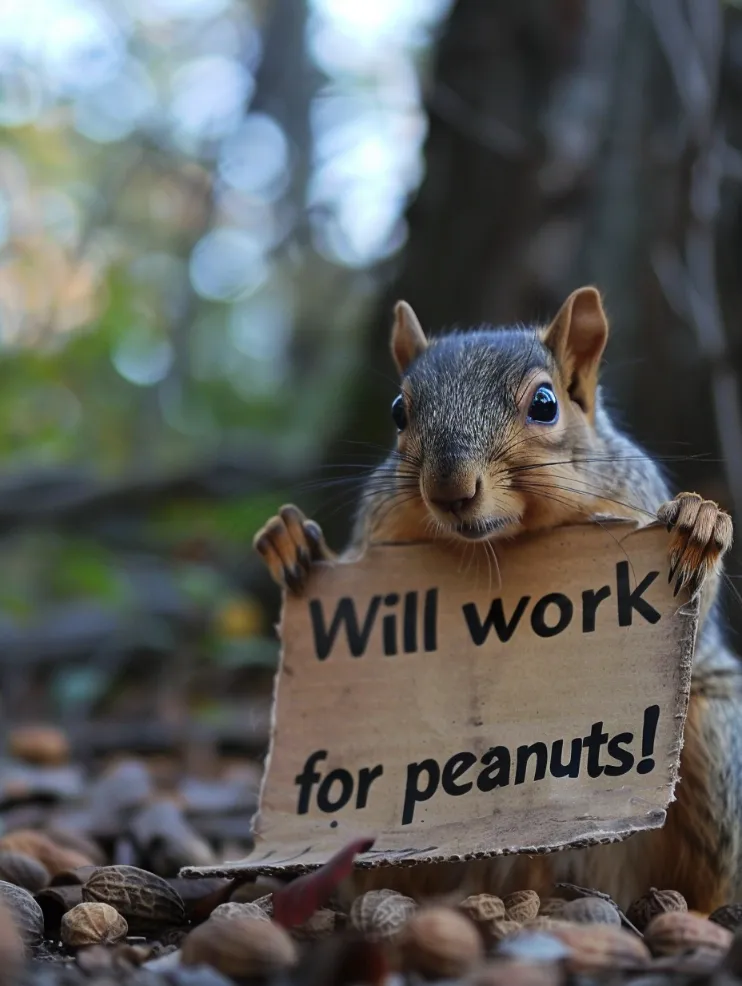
577 338
408 338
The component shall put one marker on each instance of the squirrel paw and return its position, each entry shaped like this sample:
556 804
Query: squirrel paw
289 544
702 535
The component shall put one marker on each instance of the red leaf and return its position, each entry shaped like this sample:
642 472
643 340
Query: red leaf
297 901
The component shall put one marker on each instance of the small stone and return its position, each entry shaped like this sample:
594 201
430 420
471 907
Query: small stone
523 905
92 924
652 903
590 910
439 942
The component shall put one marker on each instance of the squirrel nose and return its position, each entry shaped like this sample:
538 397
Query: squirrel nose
455 495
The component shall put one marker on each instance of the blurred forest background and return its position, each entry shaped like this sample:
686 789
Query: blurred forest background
207 209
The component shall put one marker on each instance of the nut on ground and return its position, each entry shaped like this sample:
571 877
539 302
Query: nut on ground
675 932
442 943
240 947
380 915
523 905
652 903
92 924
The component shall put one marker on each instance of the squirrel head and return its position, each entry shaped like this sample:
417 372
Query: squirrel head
491 422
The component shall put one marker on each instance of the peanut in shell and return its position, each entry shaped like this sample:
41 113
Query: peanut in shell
441 942
146 901
523 905
675 932
240 947
92 924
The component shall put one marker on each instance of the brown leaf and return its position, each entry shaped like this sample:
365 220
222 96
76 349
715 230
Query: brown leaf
296 903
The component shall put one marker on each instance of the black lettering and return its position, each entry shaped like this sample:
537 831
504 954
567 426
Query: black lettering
591 599
628 601
430 620
495 618
410 622
345 614
456 766
413 794
651 718
538 616
307 779
559 769
345 779
366 776
389 626
498 773
592 744
524 754
624 757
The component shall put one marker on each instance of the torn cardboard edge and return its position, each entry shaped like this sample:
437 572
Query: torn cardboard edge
260 864
295 854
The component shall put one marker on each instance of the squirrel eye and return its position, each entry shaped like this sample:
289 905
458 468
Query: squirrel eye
544 409
398 412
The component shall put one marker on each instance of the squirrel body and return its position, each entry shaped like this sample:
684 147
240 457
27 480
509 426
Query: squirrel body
504 431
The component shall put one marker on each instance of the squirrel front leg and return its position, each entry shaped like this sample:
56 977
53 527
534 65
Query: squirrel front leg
701 536
290 544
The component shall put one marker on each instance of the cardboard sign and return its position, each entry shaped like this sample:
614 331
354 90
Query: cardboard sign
453 711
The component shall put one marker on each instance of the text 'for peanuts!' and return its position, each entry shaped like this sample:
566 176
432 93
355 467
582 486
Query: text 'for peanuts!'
453 713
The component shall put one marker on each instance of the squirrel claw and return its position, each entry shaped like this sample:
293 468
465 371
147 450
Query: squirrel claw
702 534
290 544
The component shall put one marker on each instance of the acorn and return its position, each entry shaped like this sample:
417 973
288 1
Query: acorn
440 942
92 924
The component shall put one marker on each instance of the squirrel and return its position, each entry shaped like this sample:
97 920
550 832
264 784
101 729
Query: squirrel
502 431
